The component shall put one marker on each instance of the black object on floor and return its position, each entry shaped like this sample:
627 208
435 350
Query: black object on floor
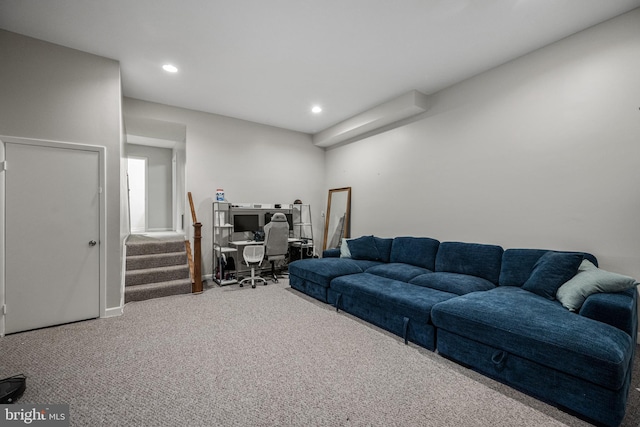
11 388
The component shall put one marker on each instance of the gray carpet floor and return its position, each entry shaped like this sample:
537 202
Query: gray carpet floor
156 236
268 356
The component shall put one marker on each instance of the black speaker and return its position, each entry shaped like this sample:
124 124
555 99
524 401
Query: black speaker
300 252
12 388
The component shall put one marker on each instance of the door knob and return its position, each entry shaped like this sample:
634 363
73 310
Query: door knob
93 243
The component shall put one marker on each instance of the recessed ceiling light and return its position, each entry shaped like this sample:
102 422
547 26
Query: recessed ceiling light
316 109
170 68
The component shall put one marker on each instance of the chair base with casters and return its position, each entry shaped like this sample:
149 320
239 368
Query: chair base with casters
272 260
253 279
253 256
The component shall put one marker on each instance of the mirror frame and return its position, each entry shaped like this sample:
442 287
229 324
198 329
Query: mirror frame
347 219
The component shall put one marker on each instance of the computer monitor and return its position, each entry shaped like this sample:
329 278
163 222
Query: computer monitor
269 215
249 222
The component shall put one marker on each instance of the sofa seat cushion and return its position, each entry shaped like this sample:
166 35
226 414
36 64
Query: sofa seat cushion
398 271
396 296
323 270
534 328
455 283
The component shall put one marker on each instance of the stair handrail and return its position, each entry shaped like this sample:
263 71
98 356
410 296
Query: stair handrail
193 211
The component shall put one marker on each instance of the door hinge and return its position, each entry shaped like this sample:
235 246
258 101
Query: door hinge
99 190
3 166
4 309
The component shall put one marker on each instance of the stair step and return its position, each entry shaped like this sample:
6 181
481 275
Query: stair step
157 274
139 262
157 290
148 248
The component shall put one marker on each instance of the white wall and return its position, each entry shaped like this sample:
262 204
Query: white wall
251 162
56 93
542 152
159 185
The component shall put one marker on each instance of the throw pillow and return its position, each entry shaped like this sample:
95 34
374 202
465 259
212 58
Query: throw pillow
344 249
590 280
551 271
364 248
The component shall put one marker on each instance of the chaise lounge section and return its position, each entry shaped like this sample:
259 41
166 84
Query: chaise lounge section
494 311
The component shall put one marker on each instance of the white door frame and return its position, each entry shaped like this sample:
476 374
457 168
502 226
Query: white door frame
102 212
179 189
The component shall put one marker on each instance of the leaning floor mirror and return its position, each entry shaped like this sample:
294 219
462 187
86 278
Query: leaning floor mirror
338 219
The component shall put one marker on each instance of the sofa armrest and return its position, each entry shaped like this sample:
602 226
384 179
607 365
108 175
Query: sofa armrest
616 309
331 253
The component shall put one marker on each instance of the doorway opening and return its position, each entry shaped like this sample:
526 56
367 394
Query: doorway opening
156 176
137 188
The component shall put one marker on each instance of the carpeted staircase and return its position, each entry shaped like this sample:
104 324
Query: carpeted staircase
155 268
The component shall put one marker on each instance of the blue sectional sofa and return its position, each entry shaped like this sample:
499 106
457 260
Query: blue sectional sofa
549 323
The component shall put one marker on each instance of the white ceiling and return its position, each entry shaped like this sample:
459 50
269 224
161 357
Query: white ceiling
269 61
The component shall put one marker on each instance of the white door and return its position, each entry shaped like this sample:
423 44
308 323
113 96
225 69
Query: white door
52 226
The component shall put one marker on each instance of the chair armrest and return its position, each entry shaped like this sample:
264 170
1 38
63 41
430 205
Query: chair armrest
331 253
616 309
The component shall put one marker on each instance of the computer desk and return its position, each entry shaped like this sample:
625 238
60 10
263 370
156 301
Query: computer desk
240 244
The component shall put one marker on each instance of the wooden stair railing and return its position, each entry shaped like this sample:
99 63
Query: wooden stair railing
187 245
197 258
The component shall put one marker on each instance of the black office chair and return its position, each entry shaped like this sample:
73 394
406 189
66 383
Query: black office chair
276 241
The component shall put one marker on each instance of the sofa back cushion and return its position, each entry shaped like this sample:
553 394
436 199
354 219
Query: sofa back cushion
518 264
384 248
370 248
551 271
474 259
418 251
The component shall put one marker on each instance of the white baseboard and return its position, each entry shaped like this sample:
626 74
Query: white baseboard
114 312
